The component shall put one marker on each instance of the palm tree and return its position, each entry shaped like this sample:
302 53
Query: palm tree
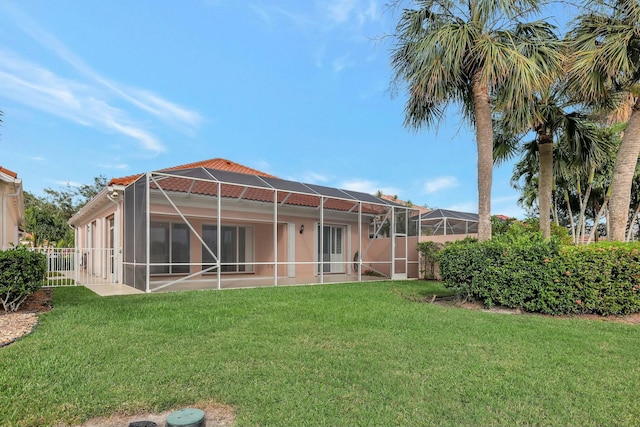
545 117
579 151
471 54
606 66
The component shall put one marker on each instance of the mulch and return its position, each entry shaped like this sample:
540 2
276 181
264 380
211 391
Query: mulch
14 326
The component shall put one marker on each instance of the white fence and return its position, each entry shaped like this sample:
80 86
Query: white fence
71 266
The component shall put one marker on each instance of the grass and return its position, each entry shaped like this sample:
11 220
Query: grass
352 354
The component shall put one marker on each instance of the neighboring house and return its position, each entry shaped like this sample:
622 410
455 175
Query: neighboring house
442 225
421 209
219 224
11 208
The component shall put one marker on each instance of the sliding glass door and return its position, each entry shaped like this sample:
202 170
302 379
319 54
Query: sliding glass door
331 249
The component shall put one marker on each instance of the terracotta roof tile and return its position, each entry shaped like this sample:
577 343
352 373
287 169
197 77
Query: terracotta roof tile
186 185
12 174
217 163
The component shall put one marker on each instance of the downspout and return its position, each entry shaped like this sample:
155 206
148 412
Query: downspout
113 195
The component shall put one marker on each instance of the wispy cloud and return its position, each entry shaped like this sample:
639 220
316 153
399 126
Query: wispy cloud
342 62
367 186
329 21
314 178
117 166
439 183
269 14
88 101
339 11
463 207
351 11
39 88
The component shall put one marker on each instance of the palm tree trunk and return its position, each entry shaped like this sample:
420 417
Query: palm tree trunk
573 229
583 206
545 184
484 140
633 219
579 224
554 203
601 212
623 172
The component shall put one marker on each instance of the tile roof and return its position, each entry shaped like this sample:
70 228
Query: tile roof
217 163
238 191
12 174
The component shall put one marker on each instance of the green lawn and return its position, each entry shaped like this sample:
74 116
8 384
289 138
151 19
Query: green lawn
352 354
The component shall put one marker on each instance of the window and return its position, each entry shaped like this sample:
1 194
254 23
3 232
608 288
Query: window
236 247
169 244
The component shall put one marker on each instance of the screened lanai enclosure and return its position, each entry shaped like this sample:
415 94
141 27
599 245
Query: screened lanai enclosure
204 228
443 222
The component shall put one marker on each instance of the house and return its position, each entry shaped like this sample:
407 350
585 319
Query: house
443 225
219 224
11 208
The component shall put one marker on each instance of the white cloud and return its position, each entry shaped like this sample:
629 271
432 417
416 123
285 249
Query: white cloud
87 101
341 63
464 207
39 88
348 11
269 14
263 165
440 183
339 11
366 186
118 166
314 178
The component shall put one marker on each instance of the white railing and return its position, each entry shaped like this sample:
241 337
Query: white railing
73 266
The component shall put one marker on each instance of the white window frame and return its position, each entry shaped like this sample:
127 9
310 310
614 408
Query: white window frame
249 252
170 268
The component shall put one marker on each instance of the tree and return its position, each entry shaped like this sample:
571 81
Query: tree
69 199
582 152
46 217
606 67
45 226
477 55
551 117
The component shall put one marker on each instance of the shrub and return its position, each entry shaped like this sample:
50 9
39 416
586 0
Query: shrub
22 273
460 261
520 269
605 277
428 258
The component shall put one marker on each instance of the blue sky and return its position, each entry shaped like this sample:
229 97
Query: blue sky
299 89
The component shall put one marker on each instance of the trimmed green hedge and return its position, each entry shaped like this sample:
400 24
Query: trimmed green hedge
522 270
22 273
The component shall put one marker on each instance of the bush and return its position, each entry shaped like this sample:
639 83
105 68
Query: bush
428 257
22 273
520 269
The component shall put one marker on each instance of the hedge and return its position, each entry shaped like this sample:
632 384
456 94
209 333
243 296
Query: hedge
522 270
22 273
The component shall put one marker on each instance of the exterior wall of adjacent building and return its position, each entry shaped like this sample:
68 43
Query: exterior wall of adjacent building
11 211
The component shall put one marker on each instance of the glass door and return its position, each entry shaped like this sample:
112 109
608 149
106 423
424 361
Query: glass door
331 249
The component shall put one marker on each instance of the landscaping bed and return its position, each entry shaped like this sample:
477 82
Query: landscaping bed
15 325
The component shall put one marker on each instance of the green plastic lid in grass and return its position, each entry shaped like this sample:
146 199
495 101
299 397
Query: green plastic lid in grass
189 417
